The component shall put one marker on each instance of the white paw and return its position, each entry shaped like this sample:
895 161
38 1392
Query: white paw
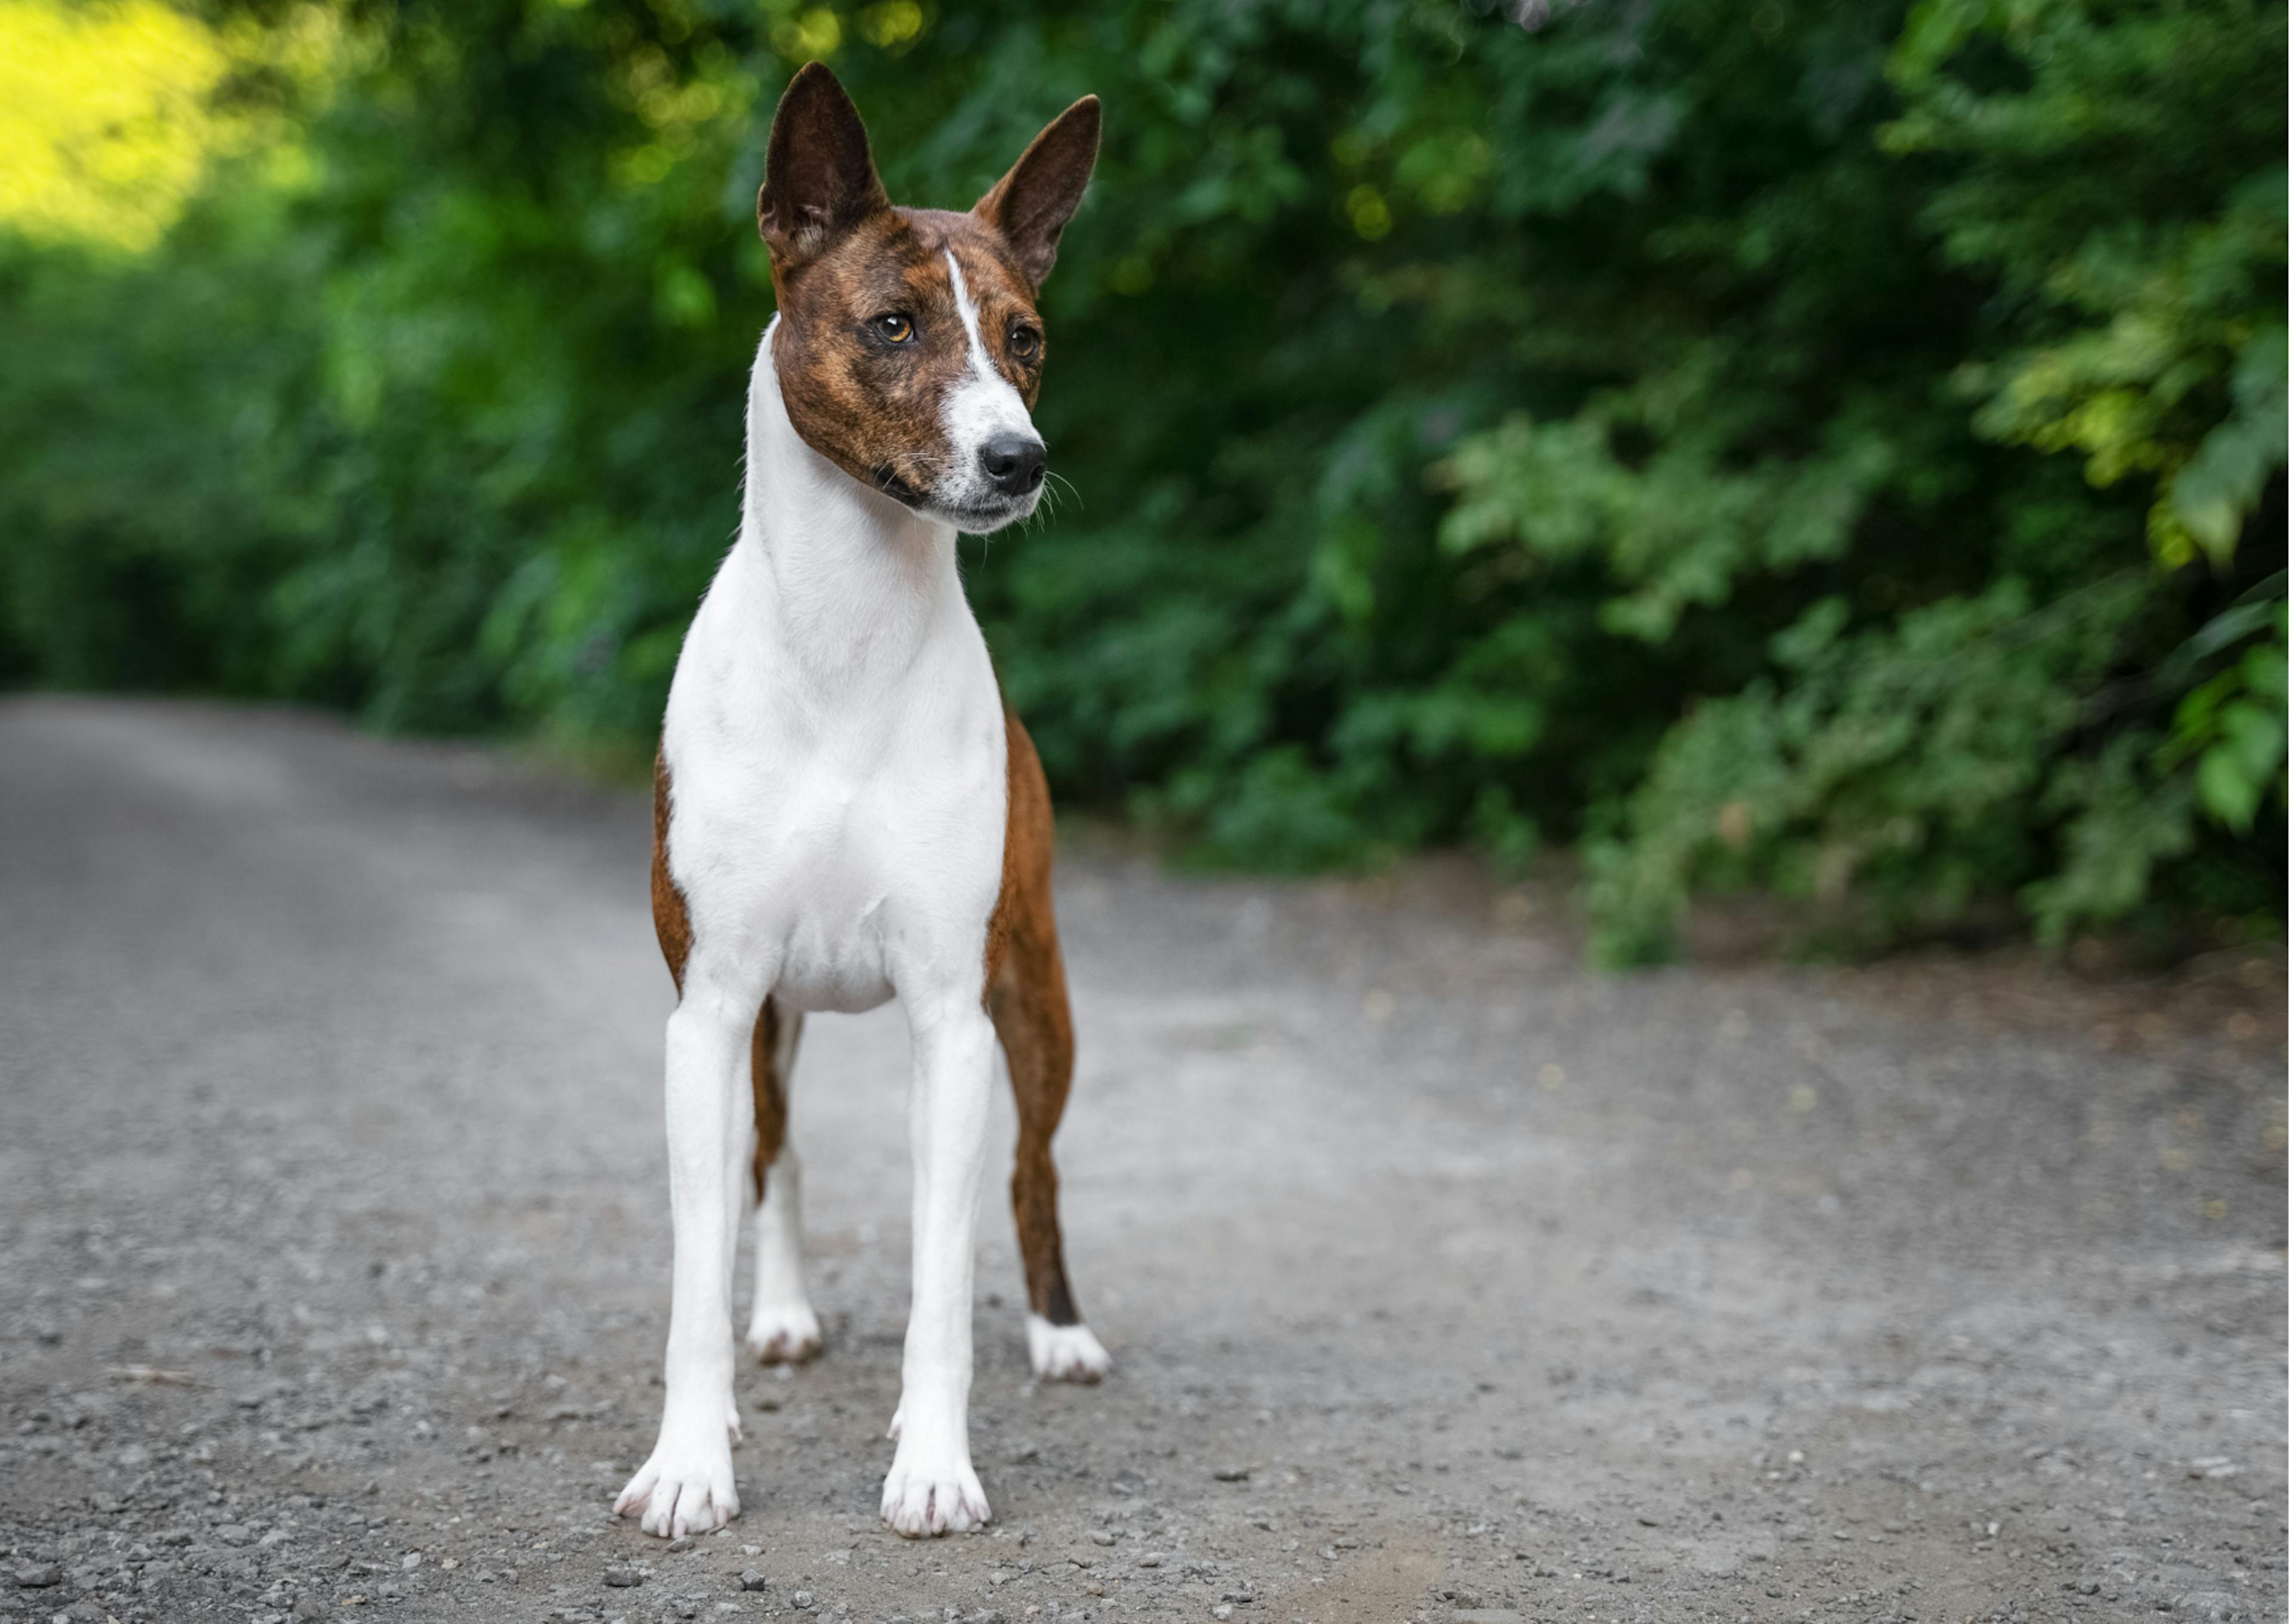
784 1333
1065 1352
925 1498
684 1488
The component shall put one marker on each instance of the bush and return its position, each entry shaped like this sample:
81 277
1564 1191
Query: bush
1829 446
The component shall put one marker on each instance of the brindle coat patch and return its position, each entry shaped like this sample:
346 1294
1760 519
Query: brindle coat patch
842 257
872 407
671 920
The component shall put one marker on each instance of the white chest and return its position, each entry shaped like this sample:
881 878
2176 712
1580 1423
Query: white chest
842 869
835 831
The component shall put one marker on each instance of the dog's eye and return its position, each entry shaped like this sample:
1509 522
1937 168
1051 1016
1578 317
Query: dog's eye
894 329
1024 342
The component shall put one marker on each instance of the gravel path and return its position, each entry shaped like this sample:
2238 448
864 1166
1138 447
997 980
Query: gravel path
1443 1281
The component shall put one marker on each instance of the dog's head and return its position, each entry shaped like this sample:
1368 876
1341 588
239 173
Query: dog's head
909 348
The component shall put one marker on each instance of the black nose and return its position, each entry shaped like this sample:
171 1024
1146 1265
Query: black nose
1013 463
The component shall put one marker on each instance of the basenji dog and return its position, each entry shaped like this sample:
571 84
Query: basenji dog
845 813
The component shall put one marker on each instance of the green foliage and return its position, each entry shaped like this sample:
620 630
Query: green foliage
1830 446
2232 726
1912 762
2130 176
2117 169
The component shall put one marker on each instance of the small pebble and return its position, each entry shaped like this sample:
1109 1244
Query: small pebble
753 1580
623 1578
1232 1474
676 1547
801 1599
39 1575
1100 1536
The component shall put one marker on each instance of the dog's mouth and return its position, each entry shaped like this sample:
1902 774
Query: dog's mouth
975 519
894 485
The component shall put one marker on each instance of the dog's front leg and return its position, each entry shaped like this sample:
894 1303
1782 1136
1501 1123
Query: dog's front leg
686 1487
932 1488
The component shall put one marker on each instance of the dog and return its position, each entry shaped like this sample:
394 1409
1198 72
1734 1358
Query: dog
845 810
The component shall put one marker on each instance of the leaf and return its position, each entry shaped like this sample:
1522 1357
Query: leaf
2228 791
2220 484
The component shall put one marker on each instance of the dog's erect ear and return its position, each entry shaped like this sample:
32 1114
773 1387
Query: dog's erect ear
819 178
1029 206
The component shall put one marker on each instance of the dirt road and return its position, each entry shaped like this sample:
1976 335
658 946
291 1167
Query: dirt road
1443 1281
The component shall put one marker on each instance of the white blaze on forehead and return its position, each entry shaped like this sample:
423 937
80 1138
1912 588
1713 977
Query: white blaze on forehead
982 405
968 307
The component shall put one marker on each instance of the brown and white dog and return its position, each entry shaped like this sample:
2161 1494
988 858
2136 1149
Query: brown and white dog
845 813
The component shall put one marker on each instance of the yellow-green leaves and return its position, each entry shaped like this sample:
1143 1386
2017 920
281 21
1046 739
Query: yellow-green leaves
111 115
2217 488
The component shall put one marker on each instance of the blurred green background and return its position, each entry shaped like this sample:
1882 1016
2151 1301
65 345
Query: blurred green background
1829 448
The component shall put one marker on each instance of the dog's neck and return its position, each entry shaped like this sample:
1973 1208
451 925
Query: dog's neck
851 581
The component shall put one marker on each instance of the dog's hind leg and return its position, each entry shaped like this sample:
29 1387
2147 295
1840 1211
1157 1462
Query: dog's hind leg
1026 995
1030 1018
783 1328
